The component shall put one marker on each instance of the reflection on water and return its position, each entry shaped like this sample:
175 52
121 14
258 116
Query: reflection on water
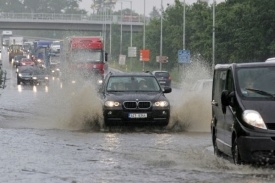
46 89
19 87
34 89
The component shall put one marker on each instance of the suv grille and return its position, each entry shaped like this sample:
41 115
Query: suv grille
139 105
144 105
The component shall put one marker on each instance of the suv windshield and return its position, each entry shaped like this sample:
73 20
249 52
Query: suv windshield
133 83
257 82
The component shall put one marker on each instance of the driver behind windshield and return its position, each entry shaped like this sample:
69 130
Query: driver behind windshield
248 83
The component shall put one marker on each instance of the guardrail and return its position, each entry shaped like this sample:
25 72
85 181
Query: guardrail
70 17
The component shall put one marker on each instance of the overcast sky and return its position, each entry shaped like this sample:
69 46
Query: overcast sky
138 5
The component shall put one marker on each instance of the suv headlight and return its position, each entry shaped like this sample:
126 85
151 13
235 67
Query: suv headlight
254 118
111 104
161 104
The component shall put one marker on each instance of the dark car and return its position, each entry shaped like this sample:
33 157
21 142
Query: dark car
134 98
243 124
163 77
32 74
17 60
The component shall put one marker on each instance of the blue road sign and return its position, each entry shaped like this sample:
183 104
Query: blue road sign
184 56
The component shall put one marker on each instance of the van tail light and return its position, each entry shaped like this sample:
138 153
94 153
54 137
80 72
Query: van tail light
169 78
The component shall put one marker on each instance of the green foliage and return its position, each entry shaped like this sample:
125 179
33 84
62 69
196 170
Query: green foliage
244 30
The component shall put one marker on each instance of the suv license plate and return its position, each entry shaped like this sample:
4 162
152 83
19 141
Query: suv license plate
139 115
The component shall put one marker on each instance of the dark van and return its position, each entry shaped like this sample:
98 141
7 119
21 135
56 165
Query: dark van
243 112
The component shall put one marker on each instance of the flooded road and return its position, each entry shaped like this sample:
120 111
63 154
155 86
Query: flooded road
53 134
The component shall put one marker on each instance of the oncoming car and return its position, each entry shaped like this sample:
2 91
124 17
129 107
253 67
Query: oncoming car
32 74
17 60
134 98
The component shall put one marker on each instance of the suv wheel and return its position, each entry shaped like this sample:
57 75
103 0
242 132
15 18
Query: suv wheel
235 153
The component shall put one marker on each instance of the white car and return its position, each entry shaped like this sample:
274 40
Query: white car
272 59
202 85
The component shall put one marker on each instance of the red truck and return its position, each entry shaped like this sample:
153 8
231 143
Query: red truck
86 59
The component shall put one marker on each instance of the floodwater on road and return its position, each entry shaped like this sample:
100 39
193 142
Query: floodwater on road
53 134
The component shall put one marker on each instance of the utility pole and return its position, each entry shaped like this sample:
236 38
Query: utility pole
161 17
144 23
213 43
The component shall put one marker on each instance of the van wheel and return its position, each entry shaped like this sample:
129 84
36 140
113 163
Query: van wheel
217 152
235 152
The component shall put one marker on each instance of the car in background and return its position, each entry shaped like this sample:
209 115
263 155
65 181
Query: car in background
134 98
272 59
26 61
32 74
202 85
17 60
163 78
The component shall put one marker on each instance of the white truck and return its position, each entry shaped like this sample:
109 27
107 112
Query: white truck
16 40
5 37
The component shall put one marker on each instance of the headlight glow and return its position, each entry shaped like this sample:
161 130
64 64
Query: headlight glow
161 104
111 104
46 77
100 81
34 77
20 75
39 60
254 118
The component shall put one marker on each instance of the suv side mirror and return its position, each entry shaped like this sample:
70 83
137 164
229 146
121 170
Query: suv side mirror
167 89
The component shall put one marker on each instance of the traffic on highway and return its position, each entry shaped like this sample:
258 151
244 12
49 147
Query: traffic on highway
121 106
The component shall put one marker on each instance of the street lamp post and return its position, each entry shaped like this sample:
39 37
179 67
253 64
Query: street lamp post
131 32
144 23
121 29
213 43
161 17
183 28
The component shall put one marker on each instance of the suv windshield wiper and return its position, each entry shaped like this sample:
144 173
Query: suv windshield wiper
261 92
